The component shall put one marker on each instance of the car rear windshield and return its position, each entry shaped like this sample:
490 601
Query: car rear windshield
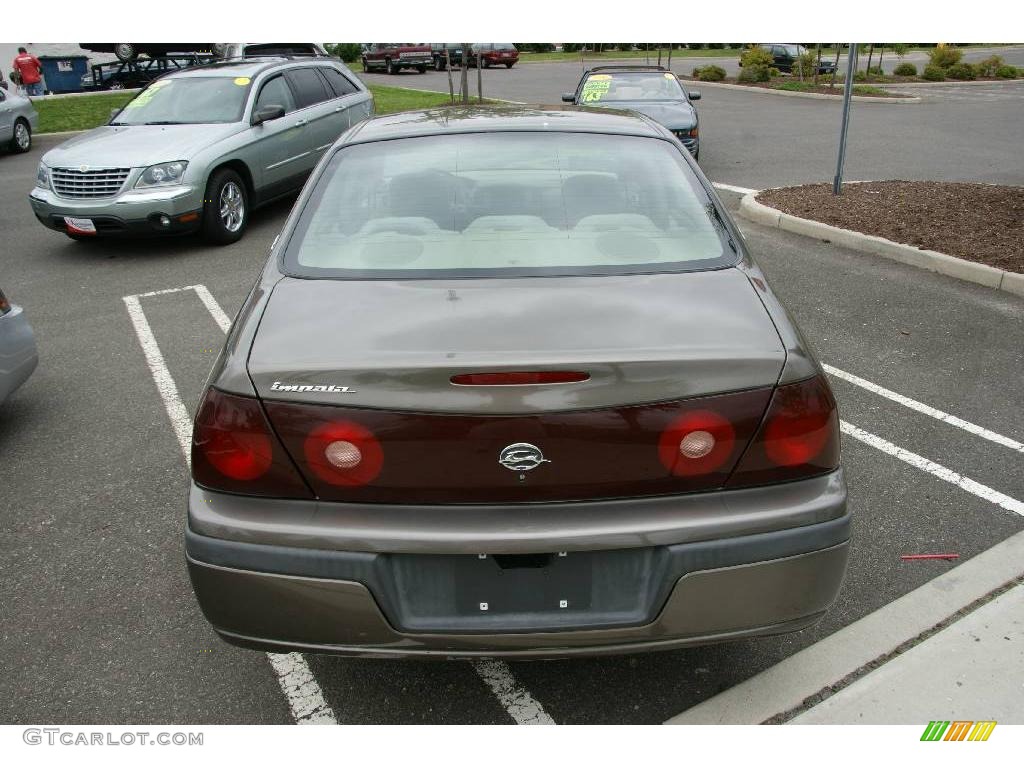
515 204
608 87
187 100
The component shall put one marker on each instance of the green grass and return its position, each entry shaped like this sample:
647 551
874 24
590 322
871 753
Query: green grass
388 99
79 113
809 86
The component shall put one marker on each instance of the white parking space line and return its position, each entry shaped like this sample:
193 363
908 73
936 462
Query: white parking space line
939 471
518 702
305 699
927 410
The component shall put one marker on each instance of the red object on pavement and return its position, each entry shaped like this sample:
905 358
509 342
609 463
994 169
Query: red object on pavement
945 556
29 68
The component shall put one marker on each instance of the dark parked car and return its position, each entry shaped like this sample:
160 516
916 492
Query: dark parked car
493 54
394 57
653 91
445 53
784 54
509 384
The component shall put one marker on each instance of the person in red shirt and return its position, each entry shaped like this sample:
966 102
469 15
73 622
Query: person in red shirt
30 70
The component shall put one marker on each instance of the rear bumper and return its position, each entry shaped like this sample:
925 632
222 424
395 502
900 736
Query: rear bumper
18 356
651 597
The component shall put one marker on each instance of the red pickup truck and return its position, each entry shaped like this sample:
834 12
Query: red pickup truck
393 57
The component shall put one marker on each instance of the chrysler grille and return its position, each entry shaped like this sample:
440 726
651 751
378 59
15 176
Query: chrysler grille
91 183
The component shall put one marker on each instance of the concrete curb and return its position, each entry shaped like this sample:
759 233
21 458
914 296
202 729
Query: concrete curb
788 684
798 95
982 274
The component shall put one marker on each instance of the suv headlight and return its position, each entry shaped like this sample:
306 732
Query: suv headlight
43 177
162 175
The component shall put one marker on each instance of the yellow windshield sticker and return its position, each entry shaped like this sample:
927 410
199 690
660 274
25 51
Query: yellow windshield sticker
669 75
595 88
242 81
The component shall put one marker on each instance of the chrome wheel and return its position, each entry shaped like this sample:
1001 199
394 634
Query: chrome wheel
232 207
22 137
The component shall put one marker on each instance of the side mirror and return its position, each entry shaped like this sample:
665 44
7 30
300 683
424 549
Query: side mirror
569 98
694 95
267 113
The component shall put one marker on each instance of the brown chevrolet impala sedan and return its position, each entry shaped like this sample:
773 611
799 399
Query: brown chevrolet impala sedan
510 385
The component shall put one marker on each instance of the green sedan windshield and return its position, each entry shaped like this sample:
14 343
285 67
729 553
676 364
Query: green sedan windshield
187 100
605 87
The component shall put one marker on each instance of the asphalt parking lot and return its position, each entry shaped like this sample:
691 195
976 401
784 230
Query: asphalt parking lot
766 140
100 623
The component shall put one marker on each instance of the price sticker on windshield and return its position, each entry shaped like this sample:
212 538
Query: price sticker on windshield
595 88
147 95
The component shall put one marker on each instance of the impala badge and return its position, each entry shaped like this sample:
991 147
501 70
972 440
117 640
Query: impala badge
521 457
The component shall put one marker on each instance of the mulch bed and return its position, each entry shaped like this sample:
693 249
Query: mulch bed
977 222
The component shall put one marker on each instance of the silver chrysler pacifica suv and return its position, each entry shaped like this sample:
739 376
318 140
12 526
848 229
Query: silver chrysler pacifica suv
199 149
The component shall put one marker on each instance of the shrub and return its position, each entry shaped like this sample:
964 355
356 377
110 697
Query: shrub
806 62
735 45
933 73
859 76
754 74
756 56
711 73
624 46
774 72
1007 72
348 52
571 47
716 46
695 46
875 71
961 71
945 57
987 67
696 73
906 69
900 49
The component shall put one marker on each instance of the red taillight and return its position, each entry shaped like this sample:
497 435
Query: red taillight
5 305
235 450
343 453
514 378
799 437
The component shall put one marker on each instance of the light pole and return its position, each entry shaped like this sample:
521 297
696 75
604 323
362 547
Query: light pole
851 65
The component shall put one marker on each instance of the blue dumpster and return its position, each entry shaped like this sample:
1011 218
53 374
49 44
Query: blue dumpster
63 74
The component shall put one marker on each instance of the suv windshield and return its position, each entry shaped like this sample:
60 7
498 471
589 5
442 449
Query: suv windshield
513 203
607 87
187 100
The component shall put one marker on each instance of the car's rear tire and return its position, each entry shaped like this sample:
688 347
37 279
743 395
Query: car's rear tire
421 68
389 67
125 51
508 64
225 208
22 138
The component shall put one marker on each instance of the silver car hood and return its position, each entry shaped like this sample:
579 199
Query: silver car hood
135 146
396 343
